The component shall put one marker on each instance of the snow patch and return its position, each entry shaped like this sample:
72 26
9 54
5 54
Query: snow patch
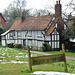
51 73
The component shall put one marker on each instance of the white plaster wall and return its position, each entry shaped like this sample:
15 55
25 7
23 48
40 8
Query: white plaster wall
39 43
3 37
3 43
15 41
47 37
34 38
10 41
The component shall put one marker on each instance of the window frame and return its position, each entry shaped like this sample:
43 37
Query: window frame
29 33
38 34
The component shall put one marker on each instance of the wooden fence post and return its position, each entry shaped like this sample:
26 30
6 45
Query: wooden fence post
65 64
29 58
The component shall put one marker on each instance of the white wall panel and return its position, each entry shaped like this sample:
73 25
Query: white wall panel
3 42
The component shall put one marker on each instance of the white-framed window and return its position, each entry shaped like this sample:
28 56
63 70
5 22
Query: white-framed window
39 34
0 25
52 37
39 43
55 37
57 44
12 33
19 33
65 27
30 42
29 33
52 44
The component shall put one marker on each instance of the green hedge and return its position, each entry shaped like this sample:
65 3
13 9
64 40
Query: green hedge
14 45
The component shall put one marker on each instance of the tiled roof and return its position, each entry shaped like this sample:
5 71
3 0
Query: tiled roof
51 28
32 23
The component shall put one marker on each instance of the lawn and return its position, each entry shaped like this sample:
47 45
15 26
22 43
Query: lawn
15 62
59 52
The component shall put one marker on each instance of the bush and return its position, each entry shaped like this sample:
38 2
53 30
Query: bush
46 47
16 45
10 45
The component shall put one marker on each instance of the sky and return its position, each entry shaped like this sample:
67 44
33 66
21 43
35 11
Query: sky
34 4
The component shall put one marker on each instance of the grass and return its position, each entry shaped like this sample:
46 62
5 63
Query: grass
23 68
59 52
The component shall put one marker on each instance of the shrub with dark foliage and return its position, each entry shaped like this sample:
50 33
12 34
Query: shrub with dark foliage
17 45
10 45
46 47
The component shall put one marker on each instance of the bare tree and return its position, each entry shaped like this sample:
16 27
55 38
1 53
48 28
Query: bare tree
14 10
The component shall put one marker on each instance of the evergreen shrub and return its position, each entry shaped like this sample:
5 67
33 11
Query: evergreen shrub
46 47
10 45
16 45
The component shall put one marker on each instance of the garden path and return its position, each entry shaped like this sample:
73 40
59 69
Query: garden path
67 57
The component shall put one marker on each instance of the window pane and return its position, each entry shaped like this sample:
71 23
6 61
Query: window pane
39 33
57 44
52 37
52 44
29 33
19 33
39 43
57 37
29 42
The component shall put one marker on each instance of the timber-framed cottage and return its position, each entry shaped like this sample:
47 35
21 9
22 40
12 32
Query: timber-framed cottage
34 31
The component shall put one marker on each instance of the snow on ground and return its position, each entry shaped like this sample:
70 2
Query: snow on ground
51 73
10 53
13 61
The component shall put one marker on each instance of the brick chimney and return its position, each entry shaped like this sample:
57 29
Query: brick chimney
22 17
58 10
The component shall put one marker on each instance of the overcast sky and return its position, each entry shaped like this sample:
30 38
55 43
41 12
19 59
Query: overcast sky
34 4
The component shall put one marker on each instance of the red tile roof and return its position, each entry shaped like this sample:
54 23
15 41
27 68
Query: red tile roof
32 23
51 28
